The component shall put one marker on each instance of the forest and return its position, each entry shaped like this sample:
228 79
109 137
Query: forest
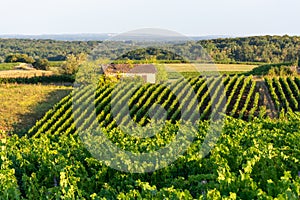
262 49
45 49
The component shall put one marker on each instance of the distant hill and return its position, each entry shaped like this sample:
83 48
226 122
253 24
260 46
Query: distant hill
61 37
258 49
90 37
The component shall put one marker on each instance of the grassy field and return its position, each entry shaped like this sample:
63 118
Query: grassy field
8 66
55 63
22 105
209 67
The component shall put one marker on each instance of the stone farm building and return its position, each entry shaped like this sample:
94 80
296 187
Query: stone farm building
146 71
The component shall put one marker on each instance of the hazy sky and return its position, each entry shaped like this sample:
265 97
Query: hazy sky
190 17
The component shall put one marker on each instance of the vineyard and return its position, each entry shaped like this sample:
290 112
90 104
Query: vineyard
255 157
240 94
285 92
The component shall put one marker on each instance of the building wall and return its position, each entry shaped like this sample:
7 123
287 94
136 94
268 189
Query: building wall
150 78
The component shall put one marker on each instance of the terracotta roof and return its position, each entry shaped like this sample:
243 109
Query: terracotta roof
136 69
148 69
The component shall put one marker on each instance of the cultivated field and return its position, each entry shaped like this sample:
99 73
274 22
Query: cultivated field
24 73
244 98
253 158
209 67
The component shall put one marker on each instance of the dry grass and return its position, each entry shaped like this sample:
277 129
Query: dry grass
24 73
22 105
208 67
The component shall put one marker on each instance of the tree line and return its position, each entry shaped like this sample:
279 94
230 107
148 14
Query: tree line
264 49
268 49
44 49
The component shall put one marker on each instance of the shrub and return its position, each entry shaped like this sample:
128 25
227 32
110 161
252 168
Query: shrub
42 64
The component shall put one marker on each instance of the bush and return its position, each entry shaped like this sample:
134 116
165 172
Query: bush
73 62
42 64
39 79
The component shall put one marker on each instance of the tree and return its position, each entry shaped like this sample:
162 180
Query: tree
73 62
24 58
162 74
42 64
130 63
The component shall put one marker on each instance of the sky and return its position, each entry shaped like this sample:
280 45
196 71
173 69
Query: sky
188 17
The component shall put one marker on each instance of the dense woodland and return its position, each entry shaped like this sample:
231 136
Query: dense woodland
49 49
266 49
274 49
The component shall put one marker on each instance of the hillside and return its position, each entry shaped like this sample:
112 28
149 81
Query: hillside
241 97
253 156
251 160
262 49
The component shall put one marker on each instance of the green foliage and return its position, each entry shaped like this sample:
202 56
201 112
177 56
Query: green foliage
149 53
49 49
261 49
267 49
39 79
23 58
143 98
271 69
242 97
9 188
162 74
41 64
55 63
255 159
176 75
251 160
281 71
284 92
